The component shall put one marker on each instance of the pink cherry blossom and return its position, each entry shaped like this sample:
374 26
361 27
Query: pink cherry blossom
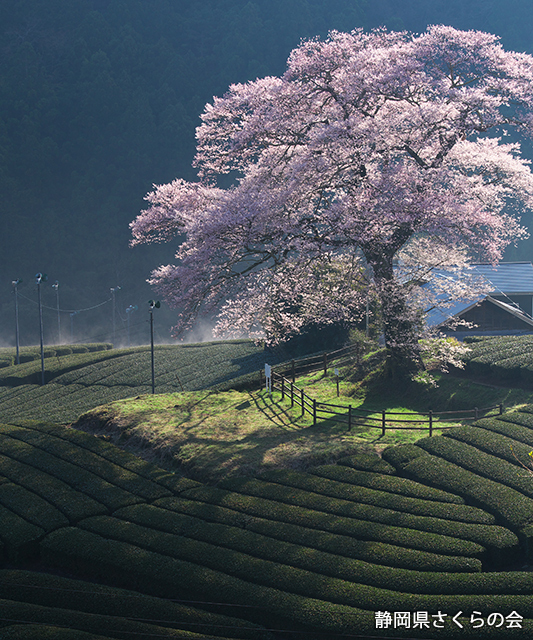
366 143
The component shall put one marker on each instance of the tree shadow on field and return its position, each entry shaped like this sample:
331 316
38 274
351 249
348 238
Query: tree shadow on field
210 452
210 461
245 371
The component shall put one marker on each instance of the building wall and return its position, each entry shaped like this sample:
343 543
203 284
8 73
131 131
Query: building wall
489 317
525 302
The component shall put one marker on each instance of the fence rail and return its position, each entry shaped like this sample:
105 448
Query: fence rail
363 418
320 361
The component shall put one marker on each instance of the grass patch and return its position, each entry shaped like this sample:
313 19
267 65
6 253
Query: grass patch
211 434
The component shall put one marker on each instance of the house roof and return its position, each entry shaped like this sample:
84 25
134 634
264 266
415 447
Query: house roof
508 277
437 317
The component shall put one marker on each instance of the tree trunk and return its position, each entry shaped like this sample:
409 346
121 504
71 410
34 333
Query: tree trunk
399 320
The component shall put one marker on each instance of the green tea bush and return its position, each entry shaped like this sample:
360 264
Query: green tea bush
114 627
70 502
515 425
31 507
344 545
59 403
509 368
367 462
151 572
18 536
29 371
499 445
392 484
402 455
79 382
349 508
88 461
231 562
80 596
506 503
84 481
507 357
193 366
484 464
265 547
490 536
296 554
28 631
327 518
338 488
68 547
163 482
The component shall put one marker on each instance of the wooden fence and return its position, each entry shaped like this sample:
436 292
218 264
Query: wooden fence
363 418
347 355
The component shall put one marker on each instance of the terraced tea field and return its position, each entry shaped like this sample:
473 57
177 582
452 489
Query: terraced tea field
432 527
432 540
77 382
505 359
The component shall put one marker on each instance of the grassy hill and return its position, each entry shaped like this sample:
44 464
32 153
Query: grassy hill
318 536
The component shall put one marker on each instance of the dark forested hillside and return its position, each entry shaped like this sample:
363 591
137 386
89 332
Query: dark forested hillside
99 99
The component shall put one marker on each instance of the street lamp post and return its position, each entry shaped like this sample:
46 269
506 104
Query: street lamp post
41 277
153 305
56 287
15 284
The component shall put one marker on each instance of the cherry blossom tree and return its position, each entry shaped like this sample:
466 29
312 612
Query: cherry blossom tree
366 143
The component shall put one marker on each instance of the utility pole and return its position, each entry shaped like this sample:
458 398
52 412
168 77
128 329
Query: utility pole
129 311
56 287
15 284
113 292
74 313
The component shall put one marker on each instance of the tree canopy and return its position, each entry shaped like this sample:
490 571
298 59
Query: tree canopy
369 140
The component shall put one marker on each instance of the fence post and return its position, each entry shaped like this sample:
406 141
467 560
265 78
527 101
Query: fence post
292 395
325 364
314 412
430 423
282 388
383 423
349 417
293 371
302 399
501 408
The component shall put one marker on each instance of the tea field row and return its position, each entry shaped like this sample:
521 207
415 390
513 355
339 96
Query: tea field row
505 358
76 383
318 551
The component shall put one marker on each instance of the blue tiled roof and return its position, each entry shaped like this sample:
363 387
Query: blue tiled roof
437 316
508 277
